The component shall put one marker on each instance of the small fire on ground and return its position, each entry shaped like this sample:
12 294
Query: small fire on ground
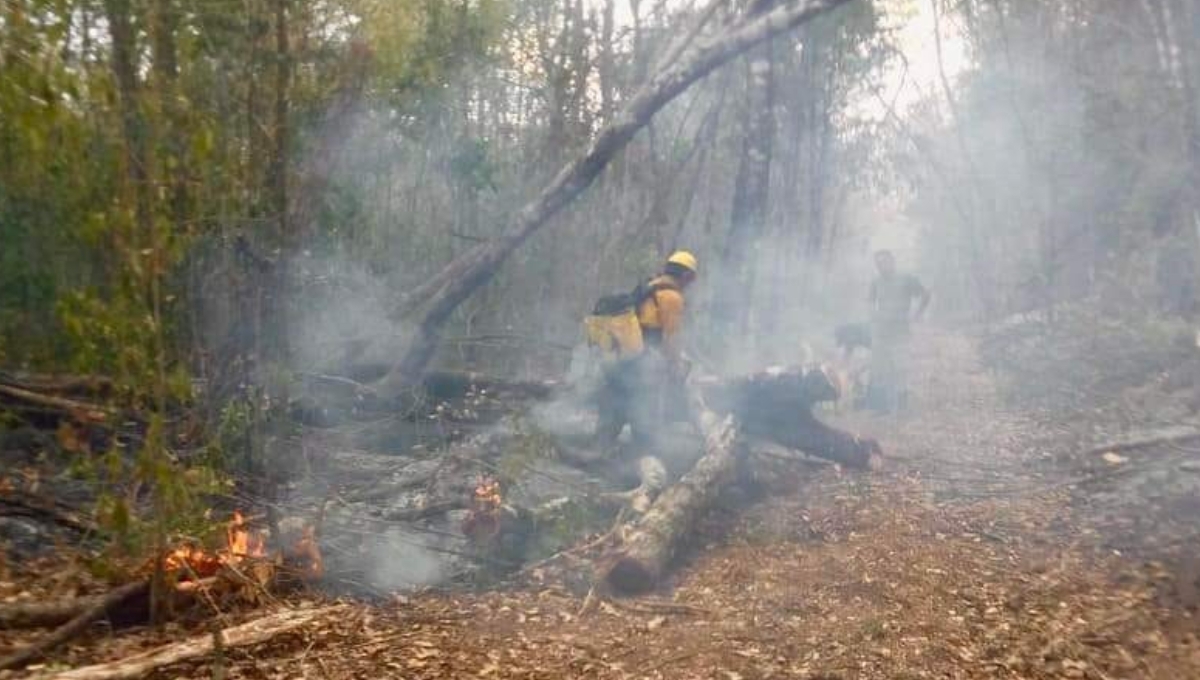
244 543
483 519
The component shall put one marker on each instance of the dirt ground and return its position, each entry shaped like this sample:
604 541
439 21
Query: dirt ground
988 547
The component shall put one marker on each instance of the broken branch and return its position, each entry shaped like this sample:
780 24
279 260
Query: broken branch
79 410
76 625
250 633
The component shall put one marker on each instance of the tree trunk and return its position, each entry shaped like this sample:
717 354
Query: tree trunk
642 558
977 226
446 290
774 405
747 218
166 70
133 124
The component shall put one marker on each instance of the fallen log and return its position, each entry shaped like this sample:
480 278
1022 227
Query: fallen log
250 633
1141 439
20 398
431 510
42 614
353 377
39 614
639 562
328 399
455 384
27 505
71 385
75 626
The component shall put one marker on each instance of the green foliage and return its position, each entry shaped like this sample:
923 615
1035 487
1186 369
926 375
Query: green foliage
417 45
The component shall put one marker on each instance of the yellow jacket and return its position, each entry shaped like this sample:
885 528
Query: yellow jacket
661 318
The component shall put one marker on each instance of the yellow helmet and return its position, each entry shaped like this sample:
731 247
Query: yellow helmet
684 259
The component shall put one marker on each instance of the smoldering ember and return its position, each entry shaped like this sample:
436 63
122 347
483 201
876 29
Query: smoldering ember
825 339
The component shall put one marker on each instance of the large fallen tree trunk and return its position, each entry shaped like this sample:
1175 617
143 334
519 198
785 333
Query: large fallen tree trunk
458 280
775 405
251 633
649 545
1141 439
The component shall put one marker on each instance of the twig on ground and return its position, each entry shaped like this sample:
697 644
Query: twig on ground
659 607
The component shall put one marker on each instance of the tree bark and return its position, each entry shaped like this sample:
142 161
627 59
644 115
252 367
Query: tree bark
133 125
449 288
166 70
642 558
775 405
748 216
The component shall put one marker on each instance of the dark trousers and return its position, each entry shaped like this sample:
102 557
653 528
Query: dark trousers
888 389
629 394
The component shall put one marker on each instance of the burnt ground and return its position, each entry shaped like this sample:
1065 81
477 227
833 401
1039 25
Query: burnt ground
992 545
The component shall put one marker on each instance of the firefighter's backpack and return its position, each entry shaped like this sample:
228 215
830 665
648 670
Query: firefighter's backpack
613 328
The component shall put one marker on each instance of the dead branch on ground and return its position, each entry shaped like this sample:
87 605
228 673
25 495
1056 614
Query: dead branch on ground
251 633
75 626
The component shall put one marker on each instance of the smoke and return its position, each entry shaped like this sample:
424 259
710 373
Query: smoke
343 311
1000 202
404 560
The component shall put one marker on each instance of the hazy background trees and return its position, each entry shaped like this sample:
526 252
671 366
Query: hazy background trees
230 191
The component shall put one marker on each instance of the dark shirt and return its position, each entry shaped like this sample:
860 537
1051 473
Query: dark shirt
891 301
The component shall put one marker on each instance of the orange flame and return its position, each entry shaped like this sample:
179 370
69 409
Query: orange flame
487 493
307 552
483 519
241 543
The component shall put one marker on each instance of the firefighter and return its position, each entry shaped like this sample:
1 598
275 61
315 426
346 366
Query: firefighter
891 298
647 351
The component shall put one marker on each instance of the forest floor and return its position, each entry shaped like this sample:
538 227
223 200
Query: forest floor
989 546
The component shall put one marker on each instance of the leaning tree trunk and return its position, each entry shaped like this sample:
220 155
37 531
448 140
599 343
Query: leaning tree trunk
450 287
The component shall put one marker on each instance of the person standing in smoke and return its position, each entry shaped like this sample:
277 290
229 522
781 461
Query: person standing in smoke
891 299
642 334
